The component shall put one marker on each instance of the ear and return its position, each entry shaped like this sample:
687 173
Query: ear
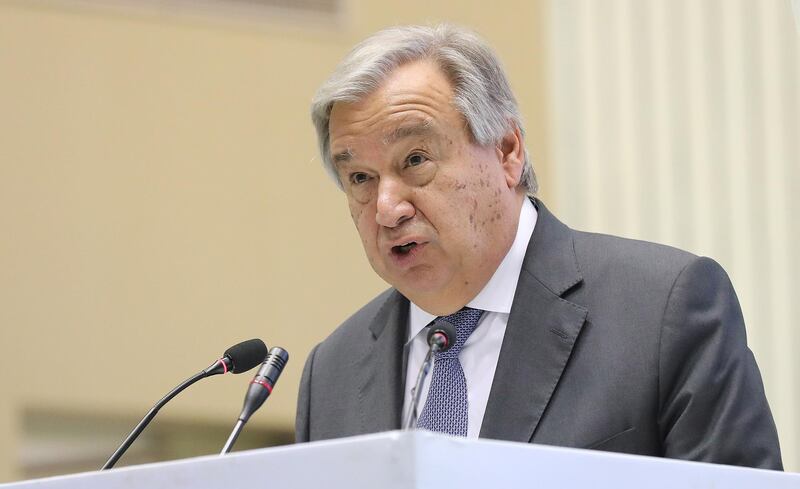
511 152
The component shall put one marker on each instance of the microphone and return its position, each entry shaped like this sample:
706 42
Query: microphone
259 390
239 358
236 359
441 336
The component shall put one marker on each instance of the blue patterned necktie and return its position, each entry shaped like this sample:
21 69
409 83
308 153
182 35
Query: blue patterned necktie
445 409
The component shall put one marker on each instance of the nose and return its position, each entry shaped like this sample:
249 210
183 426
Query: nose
393 206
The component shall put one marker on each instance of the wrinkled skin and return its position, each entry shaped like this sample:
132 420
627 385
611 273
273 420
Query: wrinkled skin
412 173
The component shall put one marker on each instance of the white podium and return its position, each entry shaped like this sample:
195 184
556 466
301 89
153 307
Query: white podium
420 459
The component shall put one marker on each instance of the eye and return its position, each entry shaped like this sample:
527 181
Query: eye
358 178
416 159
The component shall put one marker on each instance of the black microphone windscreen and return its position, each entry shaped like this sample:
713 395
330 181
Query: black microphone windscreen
442 327
246 355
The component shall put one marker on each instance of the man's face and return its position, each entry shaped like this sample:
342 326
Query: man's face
436 212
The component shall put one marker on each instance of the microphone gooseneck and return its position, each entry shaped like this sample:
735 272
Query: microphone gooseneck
236 359
441 336
259 390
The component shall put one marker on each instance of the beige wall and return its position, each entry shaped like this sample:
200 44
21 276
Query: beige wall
161 199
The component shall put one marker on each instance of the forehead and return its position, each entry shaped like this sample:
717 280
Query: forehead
415 99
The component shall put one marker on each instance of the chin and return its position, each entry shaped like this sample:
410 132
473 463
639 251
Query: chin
420 284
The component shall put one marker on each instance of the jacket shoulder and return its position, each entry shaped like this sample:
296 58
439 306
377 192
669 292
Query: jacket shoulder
602 254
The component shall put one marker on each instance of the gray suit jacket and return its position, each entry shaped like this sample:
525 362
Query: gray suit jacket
611 344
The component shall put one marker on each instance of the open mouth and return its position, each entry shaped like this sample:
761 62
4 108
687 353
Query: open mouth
404 249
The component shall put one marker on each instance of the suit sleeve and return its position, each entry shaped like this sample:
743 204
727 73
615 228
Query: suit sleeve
303 418
712 406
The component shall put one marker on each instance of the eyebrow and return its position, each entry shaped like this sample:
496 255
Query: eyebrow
409 130
425 128
343 156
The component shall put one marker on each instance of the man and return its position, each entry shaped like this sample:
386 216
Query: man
564 338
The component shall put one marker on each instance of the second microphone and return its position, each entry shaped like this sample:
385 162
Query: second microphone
262 384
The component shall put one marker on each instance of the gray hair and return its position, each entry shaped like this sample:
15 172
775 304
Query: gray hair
482 93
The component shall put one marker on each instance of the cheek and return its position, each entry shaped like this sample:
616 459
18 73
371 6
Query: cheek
365 224
472 207
356 211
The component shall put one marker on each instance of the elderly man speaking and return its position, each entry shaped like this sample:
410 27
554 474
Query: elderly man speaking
563 337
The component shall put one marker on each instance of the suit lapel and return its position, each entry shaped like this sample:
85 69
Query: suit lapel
380 367
541 332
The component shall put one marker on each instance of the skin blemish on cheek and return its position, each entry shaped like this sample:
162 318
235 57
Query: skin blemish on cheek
356 214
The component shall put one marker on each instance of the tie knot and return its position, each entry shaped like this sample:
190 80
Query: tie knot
465 321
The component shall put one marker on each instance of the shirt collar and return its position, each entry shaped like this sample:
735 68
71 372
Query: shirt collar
498 294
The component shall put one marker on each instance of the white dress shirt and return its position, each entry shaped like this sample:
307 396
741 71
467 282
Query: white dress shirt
479 355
